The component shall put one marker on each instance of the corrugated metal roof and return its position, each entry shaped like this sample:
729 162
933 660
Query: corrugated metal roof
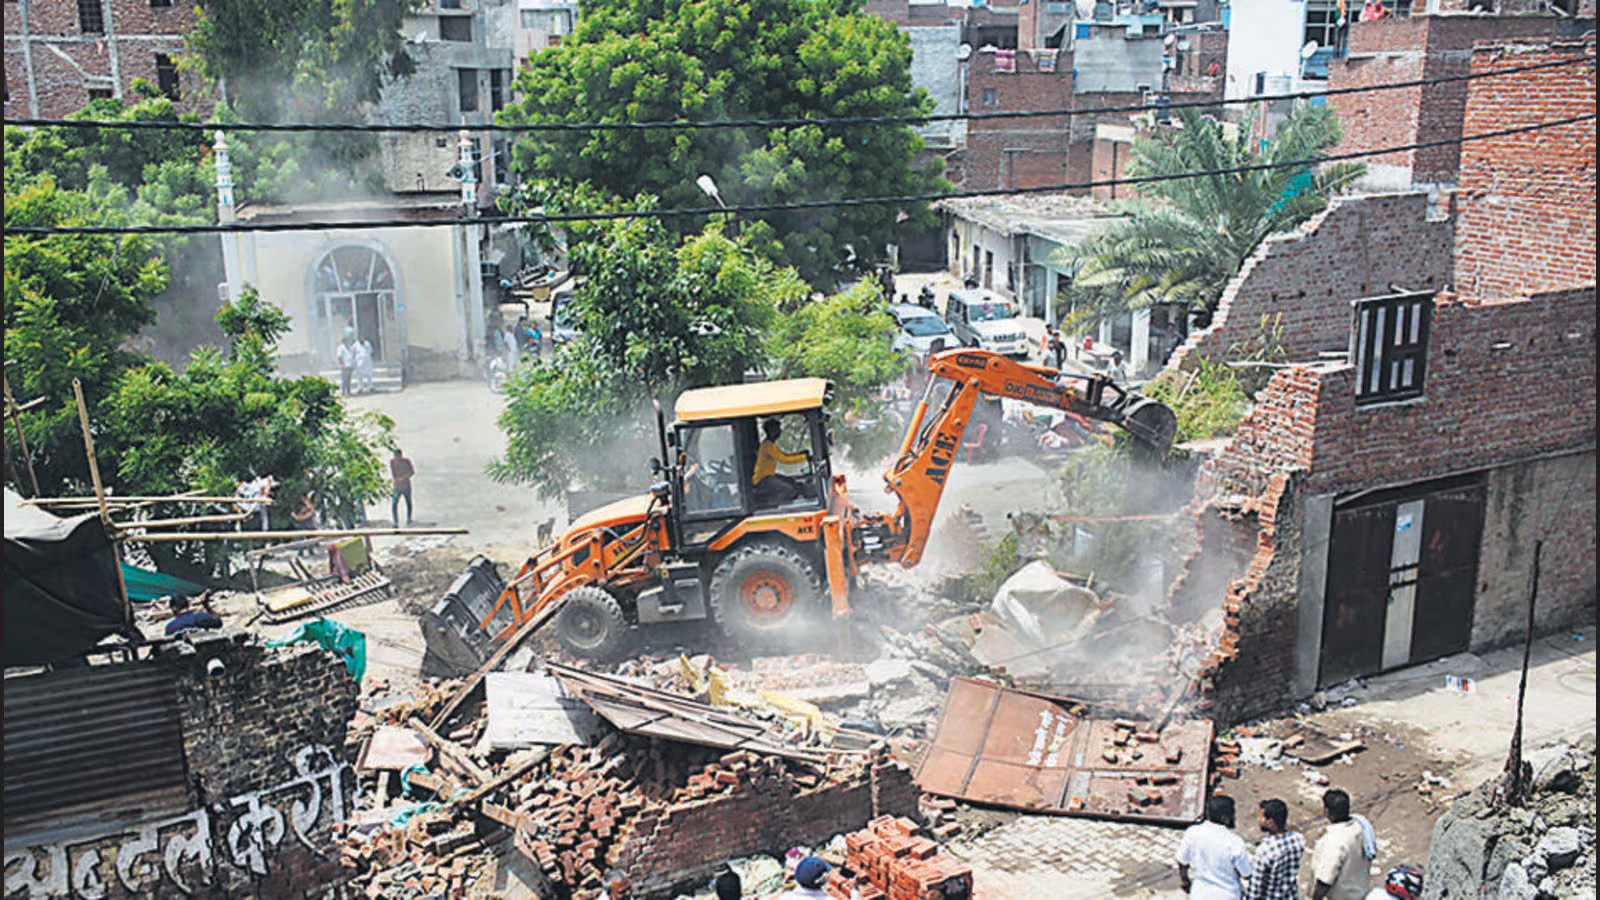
92 745
644 710
1022 750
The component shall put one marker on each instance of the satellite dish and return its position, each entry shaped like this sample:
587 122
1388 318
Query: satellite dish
1309 50
964 52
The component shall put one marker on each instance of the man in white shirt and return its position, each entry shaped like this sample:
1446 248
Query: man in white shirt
347 361
1213 863
364 367
1338 863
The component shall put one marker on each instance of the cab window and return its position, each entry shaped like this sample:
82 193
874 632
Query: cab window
710 472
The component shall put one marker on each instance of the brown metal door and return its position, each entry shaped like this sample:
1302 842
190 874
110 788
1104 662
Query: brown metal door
1447 574
1358 592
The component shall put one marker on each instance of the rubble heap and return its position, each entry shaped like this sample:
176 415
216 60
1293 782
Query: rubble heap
1539 851
890 859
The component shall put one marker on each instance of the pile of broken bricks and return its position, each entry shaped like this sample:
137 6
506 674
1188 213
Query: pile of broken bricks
570 809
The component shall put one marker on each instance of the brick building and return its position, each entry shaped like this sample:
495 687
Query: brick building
1379 506
60 54
212 767
1420 48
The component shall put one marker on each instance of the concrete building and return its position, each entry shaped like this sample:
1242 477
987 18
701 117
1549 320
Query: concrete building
1020 247
1381 504
465 55
60 54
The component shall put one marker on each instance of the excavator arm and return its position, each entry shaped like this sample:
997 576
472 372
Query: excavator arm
918 473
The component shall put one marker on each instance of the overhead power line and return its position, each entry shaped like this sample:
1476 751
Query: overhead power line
771 207
172 125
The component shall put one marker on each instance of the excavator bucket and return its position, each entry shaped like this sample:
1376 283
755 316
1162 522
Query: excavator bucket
1151 423
457 643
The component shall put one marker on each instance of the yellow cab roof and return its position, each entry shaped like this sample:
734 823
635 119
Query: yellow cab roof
735 401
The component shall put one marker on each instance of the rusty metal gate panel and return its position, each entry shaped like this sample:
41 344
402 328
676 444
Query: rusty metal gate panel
1018 749
1358 592
98 744
1447 574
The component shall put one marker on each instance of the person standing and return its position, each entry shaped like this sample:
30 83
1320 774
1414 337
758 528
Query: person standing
509 342
1046 343
1213 863
1276 874
1116 372
1338 863
347 361
401 470
364 367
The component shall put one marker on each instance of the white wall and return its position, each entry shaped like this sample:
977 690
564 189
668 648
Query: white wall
1264 36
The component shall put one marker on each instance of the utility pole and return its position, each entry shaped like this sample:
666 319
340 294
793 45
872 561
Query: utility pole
1514 783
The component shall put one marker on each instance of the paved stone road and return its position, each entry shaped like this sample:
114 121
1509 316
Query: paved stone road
1068 859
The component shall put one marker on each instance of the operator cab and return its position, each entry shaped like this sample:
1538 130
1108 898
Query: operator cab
714 446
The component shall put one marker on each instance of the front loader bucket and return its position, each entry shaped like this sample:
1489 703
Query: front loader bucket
1152 423
456 641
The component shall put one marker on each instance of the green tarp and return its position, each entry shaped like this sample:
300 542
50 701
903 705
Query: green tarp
348 643
145 585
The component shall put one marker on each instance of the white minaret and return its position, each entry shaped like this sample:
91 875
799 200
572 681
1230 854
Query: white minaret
469 174
226 216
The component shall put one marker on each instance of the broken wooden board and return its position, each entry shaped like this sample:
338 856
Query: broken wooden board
394 749
1319 749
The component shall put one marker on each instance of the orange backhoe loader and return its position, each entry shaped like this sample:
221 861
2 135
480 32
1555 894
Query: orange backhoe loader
765 561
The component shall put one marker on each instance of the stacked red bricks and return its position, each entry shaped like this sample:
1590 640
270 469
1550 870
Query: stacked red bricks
890 859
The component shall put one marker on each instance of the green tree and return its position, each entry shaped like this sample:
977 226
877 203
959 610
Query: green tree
71 302
228 418
639 60
847 339
655 319
300 60
1187 237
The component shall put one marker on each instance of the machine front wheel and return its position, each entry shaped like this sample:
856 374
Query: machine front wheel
591 624
767 595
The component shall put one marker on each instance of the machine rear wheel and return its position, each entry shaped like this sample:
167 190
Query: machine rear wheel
766 595
591 624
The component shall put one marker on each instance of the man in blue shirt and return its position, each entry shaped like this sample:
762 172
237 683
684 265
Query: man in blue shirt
185 619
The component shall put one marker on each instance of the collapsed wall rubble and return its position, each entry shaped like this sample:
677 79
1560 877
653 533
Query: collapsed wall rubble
1542 850
661 813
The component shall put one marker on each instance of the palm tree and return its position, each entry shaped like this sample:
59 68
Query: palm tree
1186 237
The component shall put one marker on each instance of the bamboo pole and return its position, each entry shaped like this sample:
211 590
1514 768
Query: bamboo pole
192 520
100 495
13 412
170 537
171 498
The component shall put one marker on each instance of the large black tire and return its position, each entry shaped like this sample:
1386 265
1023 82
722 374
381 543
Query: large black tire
592 625
767 595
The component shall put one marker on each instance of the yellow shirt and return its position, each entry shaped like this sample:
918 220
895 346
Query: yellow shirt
768 457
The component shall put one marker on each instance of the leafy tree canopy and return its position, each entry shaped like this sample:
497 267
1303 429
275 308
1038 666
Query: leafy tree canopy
657 318
1187 237
300 60
643 60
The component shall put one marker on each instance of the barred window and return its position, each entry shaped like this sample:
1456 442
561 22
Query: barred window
1389 346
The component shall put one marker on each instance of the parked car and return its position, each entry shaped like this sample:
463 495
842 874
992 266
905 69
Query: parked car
919 328
563 318
986 320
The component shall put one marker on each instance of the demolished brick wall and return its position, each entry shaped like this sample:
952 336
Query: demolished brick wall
1356 248
1527 200
264 748
682 843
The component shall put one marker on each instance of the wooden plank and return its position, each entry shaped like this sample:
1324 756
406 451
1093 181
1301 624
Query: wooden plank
504 778
1319 749
450 755
497 813
515 641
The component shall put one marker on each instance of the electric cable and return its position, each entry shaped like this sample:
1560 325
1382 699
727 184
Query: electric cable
756 209
302 127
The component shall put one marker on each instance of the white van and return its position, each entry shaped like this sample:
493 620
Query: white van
983 319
